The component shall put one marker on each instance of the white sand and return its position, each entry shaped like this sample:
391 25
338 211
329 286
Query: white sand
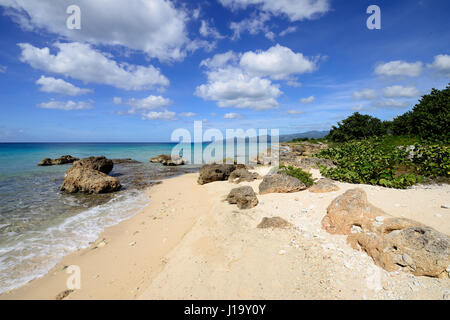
190 244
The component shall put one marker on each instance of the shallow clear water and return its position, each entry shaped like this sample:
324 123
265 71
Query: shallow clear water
39 224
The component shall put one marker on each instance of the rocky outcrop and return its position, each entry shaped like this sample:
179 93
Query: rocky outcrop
323 185
274 223
244 197
215 172
306 163
280 183
241 175
125 161
90 176
101 164
55 162
86 180
306 149
393 243
168 160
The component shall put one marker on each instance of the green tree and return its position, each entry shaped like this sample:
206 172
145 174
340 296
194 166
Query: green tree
430 118
357 127
402 125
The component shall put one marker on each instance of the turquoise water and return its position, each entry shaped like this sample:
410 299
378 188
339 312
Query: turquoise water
39 224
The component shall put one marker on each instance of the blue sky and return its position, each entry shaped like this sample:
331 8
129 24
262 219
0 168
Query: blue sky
139 69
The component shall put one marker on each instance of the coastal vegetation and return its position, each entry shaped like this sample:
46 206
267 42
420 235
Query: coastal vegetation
397 153
298 173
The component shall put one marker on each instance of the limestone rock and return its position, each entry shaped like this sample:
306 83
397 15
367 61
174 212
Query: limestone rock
101 164
323 185
240 175
280 183
215 172
60 161
244 197
274 223
393 243
86 180
168 160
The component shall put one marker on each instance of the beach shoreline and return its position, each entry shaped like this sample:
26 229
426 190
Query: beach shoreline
188 243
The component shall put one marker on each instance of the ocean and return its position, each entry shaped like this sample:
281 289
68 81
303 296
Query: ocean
39 225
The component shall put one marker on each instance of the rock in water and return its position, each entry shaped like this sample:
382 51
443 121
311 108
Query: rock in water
90 176
240 175
168 160
97 163
244 197
215 172
274 223
280 183
393 243
323 185
60 161
87 180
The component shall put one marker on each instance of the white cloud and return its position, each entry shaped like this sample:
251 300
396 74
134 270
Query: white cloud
155 27
66 105
187 114
3 69
232 116
117 100
253 25
294 112
278 62
308 100
52 85
391 103
163 115
144 105
220 60
296 10
208 31
400 92
82 62
441 64
399 68
365 94
232 87
288 31
293 83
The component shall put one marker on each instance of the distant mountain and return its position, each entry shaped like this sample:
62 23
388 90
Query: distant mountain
309 134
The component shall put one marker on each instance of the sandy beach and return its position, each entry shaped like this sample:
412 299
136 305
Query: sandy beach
188 243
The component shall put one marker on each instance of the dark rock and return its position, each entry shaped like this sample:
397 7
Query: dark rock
280 183
244 197
84 179
124 161
101 164
168 160
274 223
215 172
240 175
60 161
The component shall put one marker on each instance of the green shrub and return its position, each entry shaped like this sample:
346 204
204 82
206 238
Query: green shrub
430 118
298 173
432 160
370 162
357 127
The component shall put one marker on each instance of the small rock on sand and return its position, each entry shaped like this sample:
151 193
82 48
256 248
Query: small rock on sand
274 223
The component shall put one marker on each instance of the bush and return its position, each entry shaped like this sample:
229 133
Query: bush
355 127
298 173
370 162
430 118
432 160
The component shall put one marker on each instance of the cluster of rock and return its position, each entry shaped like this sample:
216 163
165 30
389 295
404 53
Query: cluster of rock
90 175
301 156
393 243
56 162
244 197
242 175
168 160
